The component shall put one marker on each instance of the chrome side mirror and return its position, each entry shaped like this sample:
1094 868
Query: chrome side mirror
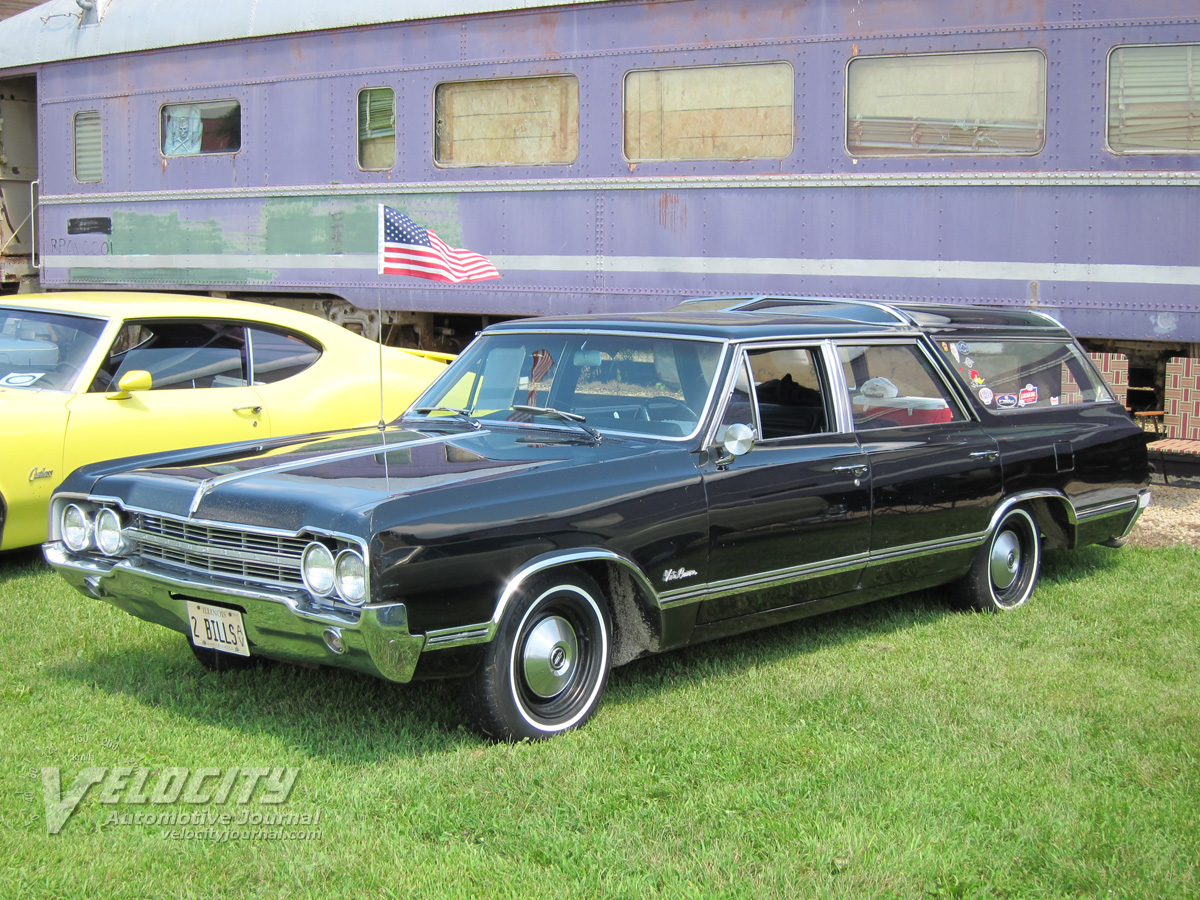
737 440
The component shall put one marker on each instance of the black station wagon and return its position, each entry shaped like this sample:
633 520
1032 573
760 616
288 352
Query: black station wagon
573 493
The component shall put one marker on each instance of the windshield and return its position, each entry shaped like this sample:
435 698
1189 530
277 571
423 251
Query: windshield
617 383
44 350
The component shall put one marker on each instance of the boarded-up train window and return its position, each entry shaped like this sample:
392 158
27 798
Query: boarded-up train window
992 102
714 112
507 122
190 129
1154 99
89 156
377 128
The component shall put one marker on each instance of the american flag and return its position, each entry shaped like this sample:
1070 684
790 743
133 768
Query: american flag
405 248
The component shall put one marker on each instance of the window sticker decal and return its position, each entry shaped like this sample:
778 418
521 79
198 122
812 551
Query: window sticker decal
20 379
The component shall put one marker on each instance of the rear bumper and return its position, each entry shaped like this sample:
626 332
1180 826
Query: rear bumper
375 640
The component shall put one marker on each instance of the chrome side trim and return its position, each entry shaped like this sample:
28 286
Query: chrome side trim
713 590
1109 509
927 548
482 632
441 638
1044 494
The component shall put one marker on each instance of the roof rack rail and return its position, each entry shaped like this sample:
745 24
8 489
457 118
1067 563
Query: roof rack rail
867 311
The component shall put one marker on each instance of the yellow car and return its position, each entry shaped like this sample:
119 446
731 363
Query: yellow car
91 376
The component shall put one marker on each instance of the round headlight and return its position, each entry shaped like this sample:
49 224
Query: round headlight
110 538
351 577
76 525
317 569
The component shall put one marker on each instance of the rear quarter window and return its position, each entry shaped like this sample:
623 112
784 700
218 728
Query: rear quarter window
1008 375
278 355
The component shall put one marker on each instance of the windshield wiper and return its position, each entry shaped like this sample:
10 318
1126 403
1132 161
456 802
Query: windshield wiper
461 414
572 418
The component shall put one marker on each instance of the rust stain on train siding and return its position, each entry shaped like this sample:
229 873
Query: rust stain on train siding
672 215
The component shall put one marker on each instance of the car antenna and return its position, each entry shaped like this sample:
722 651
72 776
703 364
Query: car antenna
379 341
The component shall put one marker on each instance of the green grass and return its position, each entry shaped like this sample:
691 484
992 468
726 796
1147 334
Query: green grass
895 750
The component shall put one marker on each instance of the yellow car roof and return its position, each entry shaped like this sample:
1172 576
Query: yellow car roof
127 304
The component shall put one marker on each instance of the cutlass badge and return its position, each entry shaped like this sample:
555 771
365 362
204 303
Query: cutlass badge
35 473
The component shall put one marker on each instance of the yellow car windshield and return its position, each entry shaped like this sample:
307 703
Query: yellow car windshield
41 350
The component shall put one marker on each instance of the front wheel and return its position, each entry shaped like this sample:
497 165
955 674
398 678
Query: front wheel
1005 568
546 668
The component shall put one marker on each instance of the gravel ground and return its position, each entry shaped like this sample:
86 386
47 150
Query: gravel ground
1172 518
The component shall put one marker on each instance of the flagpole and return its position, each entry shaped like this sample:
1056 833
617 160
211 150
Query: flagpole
379 309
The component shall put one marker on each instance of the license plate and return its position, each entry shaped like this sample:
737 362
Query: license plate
217 628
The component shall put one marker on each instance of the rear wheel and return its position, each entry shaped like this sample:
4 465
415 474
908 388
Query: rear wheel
546 668
1005 568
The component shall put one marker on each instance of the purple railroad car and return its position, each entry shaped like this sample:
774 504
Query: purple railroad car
616 154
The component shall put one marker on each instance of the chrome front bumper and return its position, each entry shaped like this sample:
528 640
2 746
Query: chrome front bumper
283 625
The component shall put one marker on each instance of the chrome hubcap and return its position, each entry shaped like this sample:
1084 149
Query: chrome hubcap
1006 560
549 656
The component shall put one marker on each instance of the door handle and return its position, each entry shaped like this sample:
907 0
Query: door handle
859 469
985 454
250 409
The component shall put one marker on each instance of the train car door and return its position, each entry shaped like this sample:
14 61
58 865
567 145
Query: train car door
18 176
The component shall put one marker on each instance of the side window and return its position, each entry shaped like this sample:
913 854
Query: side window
787 388
192 129
178 355
507 122
276 355
987 103
1152 97
710 112
1014 374
376 128
89 156
894 385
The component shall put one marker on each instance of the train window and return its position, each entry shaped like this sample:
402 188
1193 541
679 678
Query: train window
1153 93
991 102
192 129
376 128
89 157
710 112
507 122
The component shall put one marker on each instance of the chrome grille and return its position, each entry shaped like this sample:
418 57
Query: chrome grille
229 552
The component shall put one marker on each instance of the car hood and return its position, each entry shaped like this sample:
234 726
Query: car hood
336 480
